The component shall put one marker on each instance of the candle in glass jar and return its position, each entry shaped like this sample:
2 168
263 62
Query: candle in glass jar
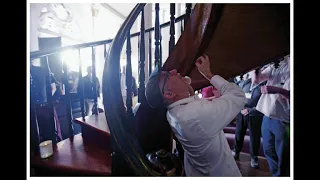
46 149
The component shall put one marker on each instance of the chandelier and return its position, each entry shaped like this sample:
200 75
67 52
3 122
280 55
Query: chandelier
57 17
63 13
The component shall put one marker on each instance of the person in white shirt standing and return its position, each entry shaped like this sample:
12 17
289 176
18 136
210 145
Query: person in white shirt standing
123 85
198 123
274 103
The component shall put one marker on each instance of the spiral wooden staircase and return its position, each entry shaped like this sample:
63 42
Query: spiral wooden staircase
237 38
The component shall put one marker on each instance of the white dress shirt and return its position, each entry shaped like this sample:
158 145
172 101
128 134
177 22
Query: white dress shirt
275 105
123 84
198 125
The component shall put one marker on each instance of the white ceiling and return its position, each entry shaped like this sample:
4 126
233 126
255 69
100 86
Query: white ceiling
123 8
126 8
107 22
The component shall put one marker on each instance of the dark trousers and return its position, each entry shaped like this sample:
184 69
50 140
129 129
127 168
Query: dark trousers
254 124
276 145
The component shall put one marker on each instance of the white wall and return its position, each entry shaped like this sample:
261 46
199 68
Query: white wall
35 10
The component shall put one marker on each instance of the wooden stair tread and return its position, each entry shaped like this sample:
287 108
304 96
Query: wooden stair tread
73 156
98 122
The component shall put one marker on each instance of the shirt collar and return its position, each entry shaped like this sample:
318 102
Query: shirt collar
183 101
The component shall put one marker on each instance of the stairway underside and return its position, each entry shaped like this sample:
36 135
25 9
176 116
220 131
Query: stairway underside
237 38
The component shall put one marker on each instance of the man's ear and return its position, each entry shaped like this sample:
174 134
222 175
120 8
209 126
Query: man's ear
169 95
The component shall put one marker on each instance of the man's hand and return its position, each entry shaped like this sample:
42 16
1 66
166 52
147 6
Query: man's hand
270 89
203 65
191 91
244 112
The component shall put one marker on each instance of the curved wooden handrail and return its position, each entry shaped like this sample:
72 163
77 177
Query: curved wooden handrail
195 38
236 37
115 111
248 36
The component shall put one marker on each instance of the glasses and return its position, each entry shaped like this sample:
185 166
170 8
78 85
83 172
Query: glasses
165 80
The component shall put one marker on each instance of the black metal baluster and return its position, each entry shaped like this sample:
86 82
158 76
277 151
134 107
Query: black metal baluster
53 133
129 78
172 27
160 48
34 130
141 93
157 38
94 81
181 26
80 91
188 12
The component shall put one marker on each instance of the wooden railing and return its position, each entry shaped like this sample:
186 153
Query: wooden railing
123 142
125 146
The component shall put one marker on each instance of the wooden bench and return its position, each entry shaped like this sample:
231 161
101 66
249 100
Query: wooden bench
73 157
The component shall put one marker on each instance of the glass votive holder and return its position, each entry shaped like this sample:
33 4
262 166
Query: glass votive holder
46 149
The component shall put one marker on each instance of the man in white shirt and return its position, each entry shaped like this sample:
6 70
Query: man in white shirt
123 85
274 103
198 123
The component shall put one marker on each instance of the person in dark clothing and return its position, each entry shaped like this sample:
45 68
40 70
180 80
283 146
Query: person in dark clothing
245 84
134 87
43 118
250 118
73 80
88 89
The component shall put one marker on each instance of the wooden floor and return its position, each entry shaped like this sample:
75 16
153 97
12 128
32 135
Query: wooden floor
71 156
246 170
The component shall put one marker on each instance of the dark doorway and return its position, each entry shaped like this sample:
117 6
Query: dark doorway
55 63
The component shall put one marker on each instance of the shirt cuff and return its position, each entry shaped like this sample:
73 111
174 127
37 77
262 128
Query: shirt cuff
217 81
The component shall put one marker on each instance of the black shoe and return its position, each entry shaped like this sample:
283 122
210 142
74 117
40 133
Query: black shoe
254 163
235 155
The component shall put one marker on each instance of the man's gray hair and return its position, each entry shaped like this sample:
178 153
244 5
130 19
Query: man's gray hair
153 93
